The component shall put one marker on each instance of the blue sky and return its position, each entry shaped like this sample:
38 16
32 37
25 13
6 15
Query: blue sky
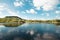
31 9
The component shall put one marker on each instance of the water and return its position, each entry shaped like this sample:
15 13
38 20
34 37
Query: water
30 31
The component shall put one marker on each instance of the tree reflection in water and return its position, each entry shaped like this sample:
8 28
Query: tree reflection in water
31 34
12 24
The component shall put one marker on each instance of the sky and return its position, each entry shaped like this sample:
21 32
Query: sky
31 9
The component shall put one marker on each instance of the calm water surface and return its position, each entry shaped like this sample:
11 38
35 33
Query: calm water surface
30 31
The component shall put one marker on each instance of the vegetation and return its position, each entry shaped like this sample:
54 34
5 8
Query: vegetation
43 21
12 24
15 21
12 19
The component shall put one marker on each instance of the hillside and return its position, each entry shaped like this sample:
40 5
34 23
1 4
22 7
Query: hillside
11 19
17 20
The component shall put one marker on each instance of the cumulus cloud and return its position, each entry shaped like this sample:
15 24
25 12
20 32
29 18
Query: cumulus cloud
12 13
32 11
57 12
2 6
18 3
45 4
1 15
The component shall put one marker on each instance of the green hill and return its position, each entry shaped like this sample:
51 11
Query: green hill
14 20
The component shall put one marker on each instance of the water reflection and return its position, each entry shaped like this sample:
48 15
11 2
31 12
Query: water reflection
31 31
12 24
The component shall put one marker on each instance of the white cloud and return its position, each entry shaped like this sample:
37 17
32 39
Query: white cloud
47 7
2 6
45 4
27 11
1 15
32 11
18 3
12 13
38 8
57 12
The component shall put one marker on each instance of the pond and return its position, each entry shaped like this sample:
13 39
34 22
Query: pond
30 31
